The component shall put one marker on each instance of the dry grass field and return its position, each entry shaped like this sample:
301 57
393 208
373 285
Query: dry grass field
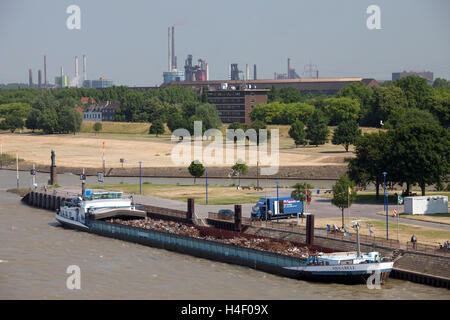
132 142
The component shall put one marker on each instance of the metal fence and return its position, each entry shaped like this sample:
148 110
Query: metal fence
206 246
381 242
426 248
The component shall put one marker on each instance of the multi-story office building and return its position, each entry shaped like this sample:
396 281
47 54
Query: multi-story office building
235 103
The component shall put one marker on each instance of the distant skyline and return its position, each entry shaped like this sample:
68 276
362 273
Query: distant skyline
126 41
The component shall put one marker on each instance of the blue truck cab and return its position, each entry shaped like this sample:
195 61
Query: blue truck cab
285 207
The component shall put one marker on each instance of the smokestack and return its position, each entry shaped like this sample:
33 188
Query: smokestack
39 79
170 53
30 78
207 72
45 71
84 67
317 74
254 72
247 72
174 63
289 69
76 71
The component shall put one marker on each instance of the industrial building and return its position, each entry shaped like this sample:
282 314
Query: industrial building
173 74
428 75
62 82
197 72
234 103
98 84
321 85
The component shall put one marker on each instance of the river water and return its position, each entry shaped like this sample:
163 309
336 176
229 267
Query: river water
35 253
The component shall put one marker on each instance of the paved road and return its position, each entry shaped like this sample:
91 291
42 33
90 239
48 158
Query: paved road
320 207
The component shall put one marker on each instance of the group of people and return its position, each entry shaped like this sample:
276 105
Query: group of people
446 245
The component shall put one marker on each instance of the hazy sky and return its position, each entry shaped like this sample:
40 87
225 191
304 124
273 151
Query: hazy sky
126 41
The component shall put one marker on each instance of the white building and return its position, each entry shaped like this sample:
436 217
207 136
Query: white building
426 205
101 111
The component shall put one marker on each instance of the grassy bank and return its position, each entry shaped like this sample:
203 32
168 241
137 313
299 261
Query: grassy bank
216 194
20 192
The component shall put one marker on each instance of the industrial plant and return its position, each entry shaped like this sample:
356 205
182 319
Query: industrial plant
64 81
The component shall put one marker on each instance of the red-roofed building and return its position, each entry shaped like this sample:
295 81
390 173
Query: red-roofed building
85 100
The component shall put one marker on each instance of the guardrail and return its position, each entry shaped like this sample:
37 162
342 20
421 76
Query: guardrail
427 248
382 242
291 227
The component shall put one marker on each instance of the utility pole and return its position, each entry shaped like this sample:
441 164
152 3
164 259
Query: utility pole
17 167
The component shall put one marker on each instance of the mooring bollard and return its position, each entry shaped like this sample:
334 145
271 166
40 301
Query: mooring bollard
310 229
237 217
190 209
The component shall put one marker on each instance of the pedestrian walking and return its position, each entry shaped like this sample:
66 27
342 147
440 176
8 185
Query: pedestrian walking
413 241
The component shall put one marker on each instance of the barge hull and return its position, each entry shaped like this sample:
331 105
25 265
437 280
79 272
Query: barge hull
116 233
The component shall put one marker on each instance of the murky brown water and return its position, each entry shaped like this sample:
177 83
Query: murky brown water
35 253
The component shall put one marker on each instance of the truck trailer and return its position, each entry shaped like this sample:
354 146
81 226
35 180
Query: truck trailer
274 208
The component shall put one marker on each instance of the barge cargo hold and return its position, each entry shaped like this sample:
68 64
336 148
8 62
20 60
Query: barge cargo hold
274 263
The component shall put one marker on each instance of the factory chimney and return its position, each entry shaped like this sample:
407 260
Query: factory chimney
45 71
76 71
289 69
84 67
170 53
207 72
247 72
30 78
174 63
39 79
254 72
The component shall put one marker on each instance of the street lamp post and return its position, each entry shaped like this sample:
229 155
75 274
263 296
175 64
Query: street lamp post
140 177
206 172
386 206
278 204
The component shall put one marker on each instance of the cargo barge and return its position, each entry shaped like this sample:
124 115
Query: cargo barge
341 267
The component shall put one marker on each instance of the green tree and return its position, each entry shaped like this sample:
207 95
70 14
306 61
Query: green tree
98 127
259 128
241 168
341 109
384 102
157 127
404 117
298 133
416 90
176 121
49 120
32 119
343 194
440 83
13 121
420 154
208 114
373 156
289 95
196 169
69 120
299 192
317 131
346 133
